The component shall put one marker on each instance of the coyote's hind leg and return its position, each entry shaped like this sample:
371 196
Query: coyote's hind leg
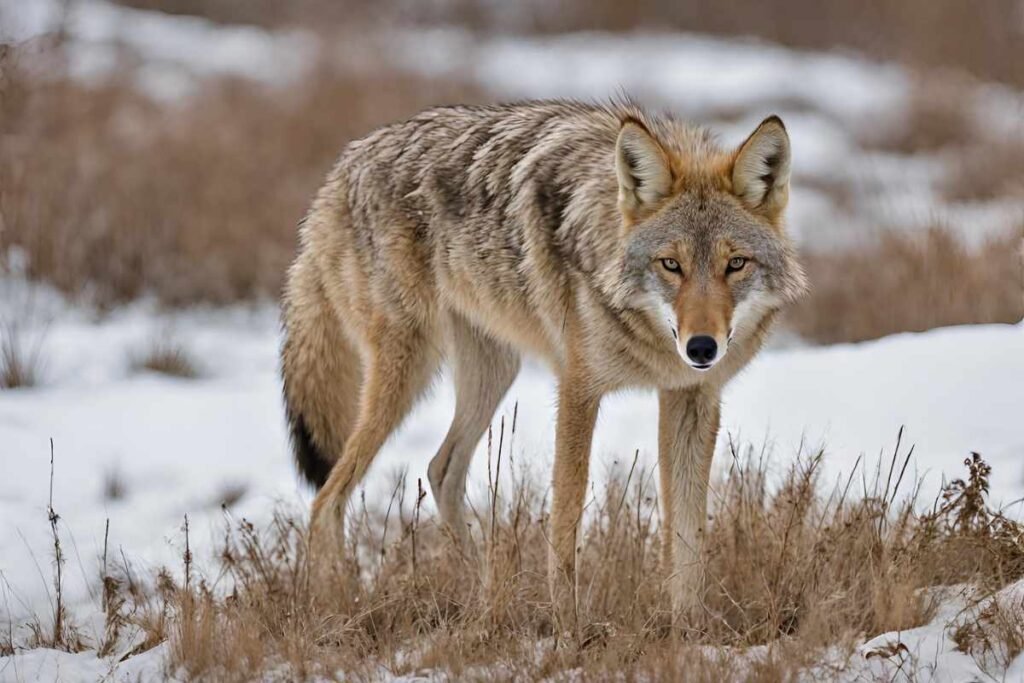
400 364
484 369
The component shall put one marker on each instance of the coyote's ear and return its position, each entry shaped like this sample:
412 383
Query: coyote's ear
760 172
643 169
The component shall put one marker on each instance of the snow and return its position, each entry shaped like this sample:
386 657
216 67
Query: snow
929 654
177 445
44 664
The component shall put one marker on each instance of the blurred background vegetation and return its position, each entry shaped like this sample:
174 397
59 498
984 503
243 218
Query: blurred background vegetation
978 37
111 194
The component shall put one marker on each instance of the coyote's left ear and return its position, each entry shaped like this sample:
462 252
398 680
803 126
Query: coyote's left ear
760 172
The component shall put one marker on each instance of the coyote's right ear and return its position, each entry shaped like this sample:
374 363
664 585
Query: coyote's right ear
642 166
760 173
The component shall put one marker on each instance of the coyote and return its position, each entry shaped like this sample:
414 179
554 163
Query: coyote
625 249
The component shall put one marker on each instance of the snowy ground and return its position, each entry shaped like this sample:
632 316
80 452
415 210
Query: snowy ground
179 445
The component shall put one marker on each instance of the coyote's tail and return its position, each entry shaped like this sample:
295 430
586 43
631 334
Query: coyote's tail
322 374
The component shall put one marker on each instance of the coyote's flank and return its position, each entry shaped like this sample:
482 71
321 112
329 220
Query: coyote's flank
624 249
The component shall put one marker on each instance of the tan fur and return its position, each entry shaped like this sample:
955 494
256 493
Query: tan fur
687 427
479 233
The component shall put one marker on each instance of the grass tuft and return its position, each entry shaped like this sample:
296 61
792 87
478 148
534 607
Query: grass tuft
114 485
166 357
20 362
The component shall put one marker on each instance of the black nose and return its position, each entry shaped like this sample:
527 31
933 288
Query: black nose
702 349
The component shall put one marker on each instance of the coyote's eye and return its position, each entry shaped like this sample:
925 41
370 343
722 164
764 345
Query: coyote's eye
736 263
671 265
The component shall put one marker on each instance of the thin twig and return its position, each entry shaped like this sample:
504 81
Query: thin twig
188 557
387 517
58 554
421 494
497 475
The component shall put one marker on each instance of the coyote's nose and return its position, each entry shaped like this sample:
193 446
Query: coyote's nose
701 349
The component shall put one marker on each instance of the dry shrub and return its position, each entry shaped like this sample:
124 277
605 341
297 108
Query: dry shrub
113 196
911 283
166 357
938 115
20 360
986 172
787 568
988 545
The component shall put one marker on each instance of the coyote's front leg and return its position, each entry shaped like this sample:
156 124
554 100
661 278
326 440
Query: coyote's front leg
687 428
577 413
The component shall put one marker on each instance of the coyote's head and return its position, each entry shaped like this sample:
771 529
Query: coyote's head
706 254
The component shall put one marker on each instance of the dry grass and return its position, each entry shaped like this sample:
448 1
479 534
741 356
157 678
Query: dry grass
166 357
791 569
61 633
20 357
993 635
911 283
111 196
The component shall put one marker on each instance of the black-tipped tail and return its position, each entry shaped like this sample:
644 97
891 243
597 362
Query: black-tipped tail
311 462
319 372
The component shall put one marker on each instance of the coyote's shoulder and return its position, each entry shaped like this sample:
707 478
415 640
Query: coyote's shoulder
625 248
